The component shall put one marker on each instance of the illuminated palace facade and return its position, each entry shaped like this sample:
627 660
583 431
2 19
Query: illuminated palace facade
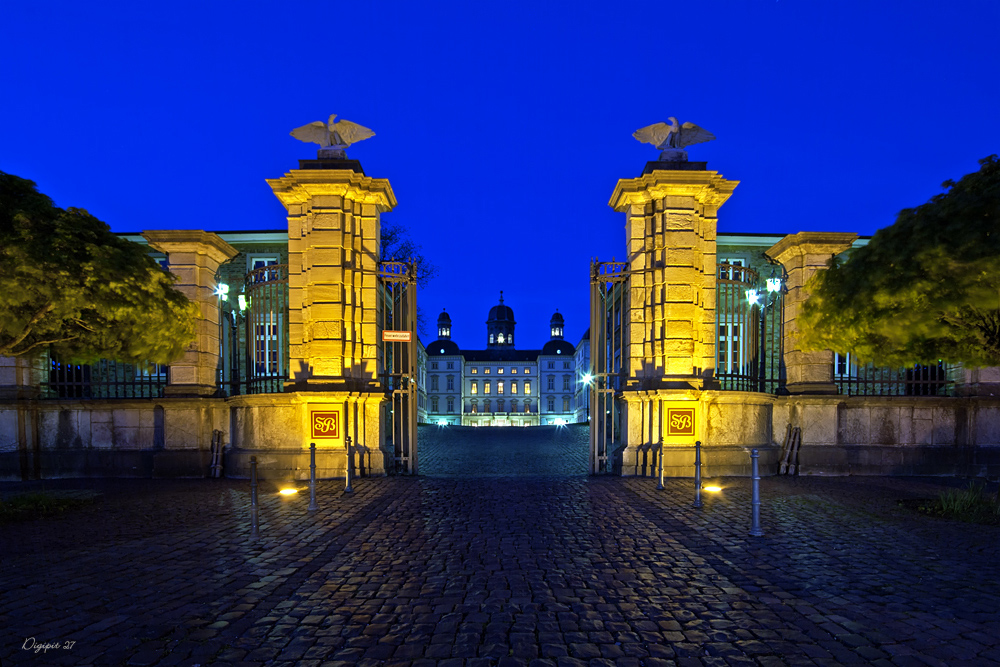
501 385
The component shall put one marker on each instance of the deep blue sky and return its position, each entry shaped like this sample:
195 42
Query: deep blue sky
503 127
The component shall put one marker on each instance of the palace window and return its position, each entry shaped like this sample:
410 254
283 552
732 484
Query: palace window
475 407
499 386
551 384
491 339
474 371
513 371
565 383
527 405
552 364
434 383
500 405
486 406
499 371
527 370
451 383
434 404
451 404
486 386
513 386
474 388
527 386
552 404
843 367
565 365
486 371
451 365
565 403
434 365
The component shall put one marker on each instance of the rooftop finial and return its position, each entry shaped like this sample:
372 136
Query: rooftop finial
501 296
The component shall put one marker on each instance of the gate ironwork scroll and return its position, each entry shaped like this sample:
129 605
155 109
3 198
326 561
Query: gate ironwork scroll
609 292
397 359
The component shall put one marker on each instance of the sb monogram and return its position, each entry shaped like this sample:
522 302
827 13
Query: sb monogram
680 421
325 425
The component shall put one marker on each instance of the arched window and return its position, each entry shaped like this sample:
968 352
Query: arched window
500 339
491 339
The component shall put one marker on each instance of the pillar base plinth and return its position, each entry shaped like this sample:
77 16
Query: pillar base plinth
189 390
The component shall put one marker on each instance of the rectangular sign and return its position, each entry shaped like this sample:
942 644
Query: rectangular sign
397 336
680 422
324 424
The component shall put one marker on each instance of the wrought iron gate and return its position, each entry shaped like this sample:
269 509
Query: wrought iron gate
609 288
397 357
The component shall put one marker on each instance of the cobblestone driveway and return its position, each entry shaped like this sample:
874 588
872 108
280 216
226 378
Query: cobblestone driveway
541 571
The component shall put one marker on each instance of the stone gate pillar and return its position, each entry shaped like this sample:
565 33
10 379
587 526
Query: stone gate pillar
334 233
802 255
670 220
194 257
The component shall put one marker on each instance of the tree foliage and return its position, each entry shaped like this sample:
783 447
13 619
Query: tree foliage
67 283
924 289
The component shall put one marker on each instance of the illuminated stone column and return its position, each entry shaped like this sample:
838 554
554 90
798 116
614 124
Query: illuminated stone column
333 241
194 257
670 222
802 255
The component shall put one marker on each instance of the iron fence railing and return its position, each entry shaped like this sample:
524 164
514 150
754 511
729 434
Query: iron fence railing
104 379
749 330
253 334
871 380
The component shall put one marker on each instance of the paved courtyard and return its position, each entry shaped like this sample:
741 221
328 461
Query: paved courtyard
448 571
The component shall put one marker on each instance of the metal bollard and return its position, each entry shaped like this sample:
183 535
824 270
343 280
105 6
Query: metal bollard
312 478
755 529
254 518
350 464
659 484
697 474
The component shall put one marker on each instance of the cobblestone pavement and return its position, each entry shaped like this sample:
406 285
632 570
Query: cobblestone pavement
540 571
497 451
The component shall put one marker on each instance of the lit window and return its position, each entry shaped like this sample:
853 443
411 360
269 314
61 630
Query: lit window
843 366
513 386
527 386
500 339
475 407
475 387
491 339
513 371
499 386
486 371
527 406
510 339
499 371
527 370
474 371
486 386
565 404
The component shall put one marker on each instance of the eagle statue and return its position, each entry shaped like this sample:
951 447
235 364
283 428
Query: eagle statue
332 137
672 139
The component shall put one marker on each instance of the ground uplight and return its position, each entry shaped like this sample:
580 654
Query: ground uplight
713 488
288 492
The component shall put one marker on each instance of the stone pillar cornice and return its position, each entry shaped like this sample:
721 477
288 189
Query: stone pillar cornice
300 186
706 187
814 243
174 240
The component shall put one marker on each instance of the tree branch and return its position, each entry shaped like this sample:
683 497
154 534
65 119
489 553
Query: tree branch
6 350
